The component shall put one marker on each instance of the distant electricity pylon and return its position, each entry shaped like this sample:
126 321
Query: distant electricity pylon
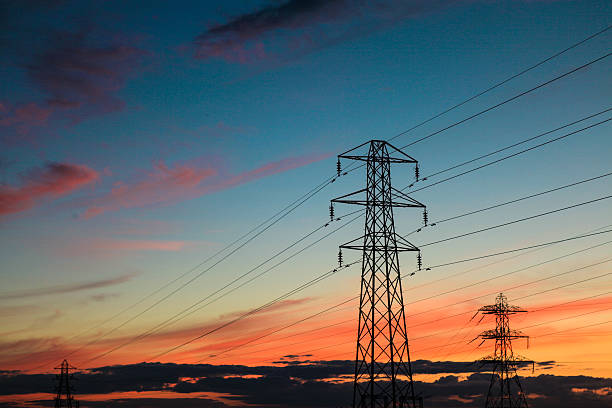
505 389
383 374
64 389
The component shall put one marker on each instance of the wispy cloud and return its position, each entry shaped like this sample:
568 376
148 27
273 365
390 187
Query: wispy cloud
302 25
105 246
79 75
171 184
51 181
60 289
78 71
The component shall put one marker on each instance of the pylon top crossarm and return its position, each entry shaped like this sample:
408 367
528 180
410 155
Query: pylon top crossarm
402 158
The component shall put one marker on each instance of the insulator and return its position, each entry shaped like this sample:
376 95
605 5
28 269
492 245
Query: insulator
331 212
419 261
416 172
340 257
425 218
338 167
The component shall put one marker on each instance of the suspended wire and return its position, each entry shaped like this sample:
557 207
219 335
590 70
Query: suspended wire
516 221
188 311
243 316
193 307
325 311
572 329
286 210
509 273
517 250
251 312
304 199
508 156
515 144
328 274
330 180
527 284
498 84
462 341
543 84
522 198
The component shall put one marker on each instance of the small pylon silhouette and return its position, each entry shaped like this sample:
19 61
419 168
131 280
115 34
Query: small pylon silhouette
64 389
505 390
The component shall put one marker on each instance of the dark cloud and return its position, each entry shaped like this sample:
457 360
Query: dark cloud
298 26
314 384
77 70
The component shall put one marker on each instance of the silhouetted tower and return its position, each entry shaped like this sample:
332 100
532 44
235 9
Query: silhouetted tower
383 375
64 390
505 389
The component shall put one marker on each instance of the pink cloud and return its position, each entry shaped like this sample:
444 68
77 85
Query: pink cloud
167 185
52 181
22 118
106 245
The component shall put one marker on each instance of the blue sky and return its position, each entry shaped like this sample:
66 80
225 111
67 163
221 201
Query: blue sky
162 133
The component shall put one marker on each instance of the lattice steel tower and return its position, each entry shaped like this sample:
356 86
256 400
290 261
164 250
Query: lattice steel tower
383 375
505 389
64 389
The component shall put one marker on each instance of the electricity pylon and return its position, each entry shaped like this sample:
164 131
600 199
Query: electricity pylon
64 389
505 389
383 374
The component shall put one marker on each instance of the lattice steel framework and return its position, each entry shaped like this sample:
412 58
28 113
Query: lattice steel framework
64 389
505 390
383 374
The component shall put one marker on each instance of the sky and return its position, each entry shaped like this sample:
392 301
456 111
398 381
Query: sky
165 171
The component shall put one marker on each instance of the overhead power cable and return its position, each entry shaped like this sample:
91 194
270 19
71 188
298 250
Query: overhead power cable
463 341
329 273
332 179
518 249
527 92
507 157
194 307
515 221
498 84
327 310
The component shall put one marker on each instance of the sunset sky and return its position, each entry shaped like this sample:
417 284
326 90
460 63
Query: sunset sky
138 141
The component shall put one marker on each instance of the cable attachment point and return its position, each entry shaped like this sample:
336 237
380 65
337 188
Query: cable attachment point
331 212
425 217
340 257
416 172
419 261
339 167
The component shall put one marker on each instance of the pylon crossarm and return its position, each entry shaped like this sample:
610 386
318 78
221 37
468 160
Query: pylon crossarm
403 157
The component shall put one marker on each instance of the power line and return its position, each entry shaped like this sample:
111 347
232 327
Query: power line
510 273
522 198
508 156
543 84
517 249
515 144
498 84
354 298
463 341
516 221
190 309
256 310
440 294
314 191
